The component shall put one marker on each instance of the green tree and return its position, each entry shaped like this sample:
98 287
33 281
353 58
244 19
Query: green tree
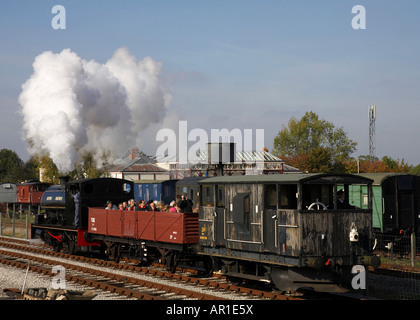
313 136
416 170
10 166
49 170
319 160
30 170
364 165
396 165
88 168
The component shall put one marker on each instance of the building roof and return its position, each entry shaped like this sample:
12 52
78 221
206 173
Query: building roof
379 177
242 156
289 178
140 163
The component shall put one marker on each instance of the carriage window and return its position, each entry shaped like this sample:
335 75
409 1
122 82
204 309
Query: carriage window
270 196
207 196
321 194
365 200
126 187
220 196
287 196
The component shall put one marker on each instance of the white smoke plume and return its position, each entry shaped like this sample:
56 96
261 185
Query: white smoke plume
70 104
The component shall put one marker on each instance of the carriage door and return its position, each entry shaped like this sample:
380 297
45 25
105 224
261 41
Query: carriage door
270 218
220 214
405 203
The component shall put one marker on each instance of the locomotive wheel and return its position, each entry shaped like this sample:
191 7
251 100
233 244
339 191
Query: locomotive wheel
208 267
113 251
57 245
70 245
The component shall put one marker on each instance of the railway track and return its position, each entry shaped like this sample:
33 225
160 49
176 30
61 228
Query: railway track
131 283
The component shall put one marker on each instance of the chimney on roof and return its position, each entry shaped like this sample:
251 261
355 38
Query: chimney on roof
134 152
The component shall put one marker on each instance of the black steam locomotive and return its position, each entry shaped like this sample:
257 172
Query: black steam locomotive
57 225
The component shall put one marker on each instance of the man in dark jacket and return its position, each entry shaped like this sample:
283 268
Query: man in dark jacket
185 204
342 202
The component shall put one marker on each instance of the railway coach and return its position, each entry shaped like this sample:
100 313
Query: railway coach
285 228
146 235
396 202
156 190
31 192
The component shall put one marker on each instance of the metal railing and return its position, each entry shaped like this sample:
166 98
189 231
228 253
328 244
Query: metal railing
399 249
16 224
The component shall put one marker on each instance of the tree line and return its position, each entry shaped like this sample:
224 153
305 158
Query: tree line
14 170
315 145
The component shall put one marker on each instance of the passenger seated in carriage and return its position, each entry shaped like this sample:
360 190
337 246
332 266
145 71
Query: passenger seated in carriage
110 206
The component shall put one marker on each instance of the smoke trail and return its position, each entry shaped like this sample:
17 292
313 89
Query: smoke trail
69 104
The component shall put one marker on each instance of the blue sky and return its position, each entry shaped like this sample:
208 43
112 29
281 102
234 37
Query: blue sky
240 63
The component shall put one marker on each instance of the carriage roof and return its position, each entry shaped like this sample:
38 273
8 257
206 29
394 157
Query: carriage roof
298 178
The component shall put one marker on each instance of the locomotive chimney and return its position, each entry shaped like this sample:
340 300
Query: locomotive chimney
64 179
134 152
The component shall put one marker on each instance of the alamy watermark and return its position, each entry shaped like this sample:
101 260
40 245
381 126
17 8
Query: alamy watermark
189 147
357 22
59 280
59 20
359 279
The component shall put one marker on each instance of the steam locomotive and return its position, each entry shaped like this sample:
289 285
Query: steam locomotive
56 224
282 229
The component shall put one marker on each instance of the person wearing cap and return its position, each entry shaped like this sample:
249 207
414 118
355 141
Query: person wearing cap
185 204
342 202
110 206
151 206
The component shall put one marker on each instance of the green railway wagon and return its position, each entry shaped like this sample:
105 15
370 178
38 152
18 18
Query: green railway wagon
358 197
395 201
